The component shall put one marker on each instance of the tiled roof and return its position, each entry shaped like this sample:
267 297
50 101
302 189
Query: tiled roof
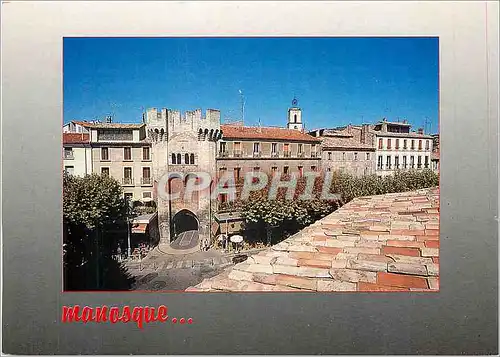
248 132
75 138
87 124
377 243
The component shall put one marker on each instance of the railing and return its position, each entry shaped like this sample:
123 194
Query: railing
146 181
256 154
314 154
223 154
128 181
237 153
286 154
300 154
275 154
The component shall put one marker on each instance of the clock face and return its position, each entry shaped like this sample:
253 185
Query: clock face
294 102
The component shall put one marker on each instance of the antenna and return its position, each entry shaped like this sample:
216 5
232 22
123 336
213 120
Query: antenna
242 106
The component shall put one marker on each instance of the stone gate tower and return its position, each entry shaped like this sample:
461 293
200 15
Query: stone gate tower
185 144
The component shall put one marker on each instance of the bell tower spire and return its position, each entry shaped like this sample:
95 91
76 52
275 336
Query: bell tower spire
295 116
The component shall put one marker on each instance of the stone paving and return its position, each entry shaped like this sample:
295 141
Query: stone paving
377 243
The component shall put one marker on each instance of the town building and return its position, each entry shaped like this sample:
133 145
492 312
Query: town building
398 148
347 149
435 153
77 154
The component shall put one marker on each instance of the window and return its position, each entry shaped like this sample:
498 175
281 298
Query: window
404 162
128 196
329 155
115 135
70 170
222 171
379 163
285 170
286 147
222 147
420 144
313 168
274 169
146 153
274 148
237 171
104 154
426 165
256 169
146 176
396 162
343 156
412 162
174 161
367 156
388 143
127 154
413 144
191 159
146 194
397 144
295 118
127 176
179 157
388 163
328 169
186 159
68 153
301 171
419 162
256 147
222 198
405 144
355 156
105 171
300 149
427 145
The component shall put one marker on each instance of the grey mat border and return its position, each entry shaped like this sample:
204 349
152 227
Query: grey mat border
461 319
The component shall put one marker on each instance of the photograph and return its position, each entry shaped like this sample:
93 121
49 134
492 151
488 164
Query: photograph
251 164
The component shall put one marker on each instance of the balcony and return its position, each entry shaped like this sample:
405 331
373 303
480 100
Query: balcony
256 154
223 154
286 154
314 154
237 153
146 181
128 181
300 154
275 154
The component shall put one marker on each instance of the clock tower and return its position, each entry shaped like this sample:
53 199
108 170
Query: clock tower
295 117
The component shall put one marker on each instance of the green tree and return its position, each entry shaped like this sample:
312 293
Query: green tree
94 221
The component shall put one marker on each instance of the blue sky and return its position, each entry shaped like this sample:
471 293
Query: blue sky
336 80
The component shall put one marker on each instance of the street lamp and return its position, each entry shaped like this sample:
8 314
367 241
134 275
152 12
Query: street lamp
129 249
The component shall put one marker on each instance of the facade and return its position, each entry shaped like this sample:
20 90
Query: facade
398 148
347 149
435 153
77 154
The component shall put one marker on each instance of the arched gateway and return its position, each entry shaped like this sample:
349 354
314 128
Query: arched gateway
185 226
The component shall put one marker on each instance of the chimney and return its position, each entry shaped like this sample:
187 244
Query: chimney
420 131
364 133
349 128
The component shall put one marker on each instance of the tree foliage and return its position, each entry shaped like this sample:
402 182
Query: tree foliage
94 220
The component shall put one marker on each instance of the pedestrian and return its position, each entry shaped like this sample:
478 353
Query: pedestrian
119 252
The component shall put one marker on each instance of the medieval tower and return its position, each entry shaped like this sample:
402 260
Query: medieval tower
184 144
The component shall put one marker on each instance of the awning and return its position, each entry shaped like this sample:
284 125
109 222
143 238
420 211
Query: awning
139 228
215 228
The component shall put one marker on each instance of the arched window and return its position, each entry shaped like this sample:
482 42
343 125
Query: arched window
179 159
191 159
186 159
173 159
295 118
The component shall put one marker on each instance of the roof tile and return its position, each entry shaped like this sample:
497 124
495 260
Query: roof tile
265 133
